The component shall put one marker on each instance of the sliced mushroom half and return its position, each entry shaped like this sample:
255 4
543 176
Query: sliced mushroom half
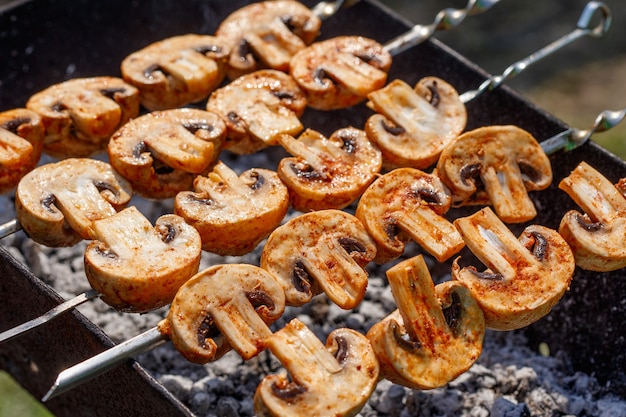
224 306
57 203
414 125
524 278
137 267
332 380
267 34
340 72
21 144
328 173
436 333
176 71
258 108
81 114
496 165
234 213
161 153
408 204
322 251
597 237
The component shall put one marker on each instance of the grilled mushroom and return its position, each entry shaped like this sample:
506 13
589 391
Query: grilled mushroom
233 214
137 267
332 380
257 109
340 72
436 333
413 126
21 144
81 114
496 165
56 204
322 251
270 32
598 237
328 173
524 278
224 306
406 204
176 71
161 153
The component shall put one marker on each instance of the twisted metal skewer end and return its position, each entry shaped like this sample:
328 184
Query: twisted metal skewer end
326 9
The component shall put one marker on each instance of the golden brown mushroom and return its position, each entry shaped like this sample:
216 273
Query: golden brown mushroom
328 173
57 203
266 35
598 237
506 161
137 267
524 278
332 380
161 153
234 213
81 114
176 71
21 144
322 251
436 333
407 204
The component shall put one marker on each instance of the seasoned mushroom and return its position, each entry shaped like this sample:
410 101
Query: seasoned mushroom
322 251
81 114
21 144
406 204
224 306
176 71
413 126
328 173
234 213
56 204
137 267
269 31
524 278
332 380
436 333
496 165
257 109
340 72
598 237
161 153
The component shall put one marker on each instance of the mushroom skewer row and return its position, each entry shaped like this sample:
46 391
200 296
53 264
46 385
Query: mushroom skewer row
413 125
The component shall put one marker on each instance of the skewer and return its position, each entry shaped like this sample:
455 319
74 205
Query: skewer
326 9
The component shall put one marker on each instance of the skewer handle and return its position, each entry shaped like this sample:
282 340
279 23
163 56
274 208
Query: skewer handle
325 9
445 19
9 228
104 361
583 28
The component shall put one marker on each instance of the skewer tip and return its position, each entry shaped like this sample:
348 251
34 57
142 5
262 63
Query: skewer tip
52 392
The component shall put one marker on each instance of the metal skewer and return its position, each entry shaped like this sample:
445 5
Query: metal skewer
326 9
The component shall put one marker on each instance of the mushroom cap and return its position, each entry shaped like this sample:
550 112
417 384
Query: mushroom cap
161 152
328 173
137 267
340 72
57 203
509 161
21 144
408 204
81 114
322 251
436 333
266 35
257 108
234 213
413 126
223 306
524 278
176 71
332 380
598 237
